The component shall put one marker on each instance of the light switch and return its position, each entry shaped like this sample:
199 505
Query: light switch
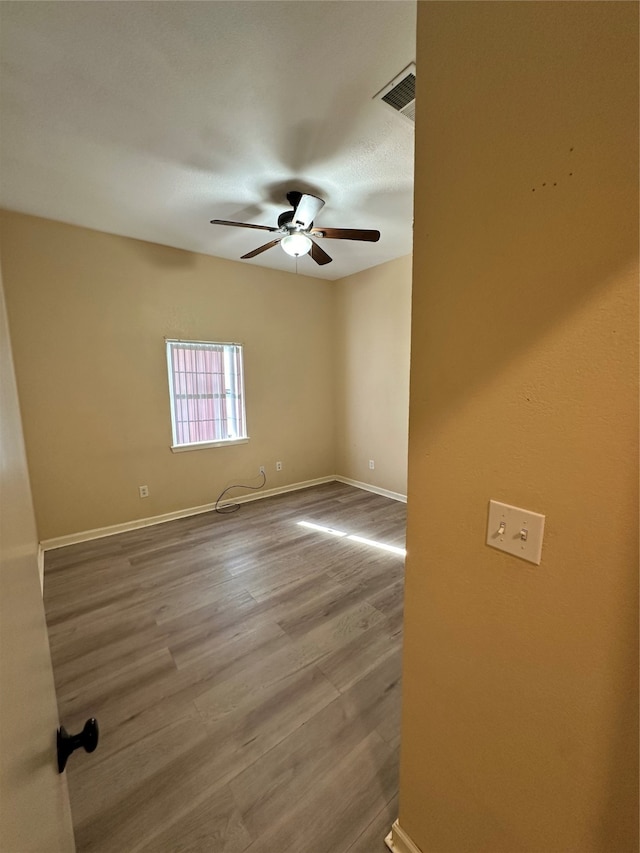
515 530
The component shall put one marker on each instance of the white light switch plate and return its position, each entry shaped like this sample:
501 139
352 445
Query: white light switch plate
515 530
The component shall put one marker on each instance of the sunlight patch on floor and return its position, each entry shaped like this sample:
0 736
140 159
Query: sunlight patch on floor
331 531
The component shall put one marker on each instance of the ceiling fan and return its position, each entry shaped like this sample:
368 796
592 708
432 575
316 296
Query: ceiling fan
295 230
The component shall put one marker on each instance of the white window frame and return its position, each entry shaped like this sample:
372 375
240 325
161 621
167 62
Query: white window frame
242 436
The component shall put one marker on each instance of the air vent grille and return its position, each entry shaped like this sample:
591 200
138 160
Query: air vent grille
400 93
410 111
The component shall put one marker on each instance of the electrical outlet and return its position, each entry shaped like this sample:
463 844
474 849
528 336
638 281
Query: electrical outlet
262 470
278 466
144 491
372 464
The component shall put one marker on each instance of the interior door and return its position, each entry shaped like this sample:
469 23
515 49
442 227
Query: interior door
34 805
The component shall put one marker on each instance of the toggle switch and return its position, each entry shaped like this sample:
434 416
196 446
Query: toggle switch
515 530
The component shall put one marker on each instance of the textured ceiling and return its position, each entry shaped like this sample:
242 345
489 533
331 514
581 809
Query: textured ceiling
148 119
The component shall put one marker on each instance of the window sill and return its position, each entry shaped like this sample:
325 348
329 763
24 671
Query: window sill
203 445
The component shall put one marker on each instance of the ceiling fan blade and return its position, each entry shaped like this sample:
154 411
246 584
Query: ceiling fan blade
308 208
347 234
261 249
319 255
243 225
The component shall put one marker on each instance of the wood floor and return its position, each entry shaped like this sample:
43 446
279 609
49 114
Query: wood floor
245 674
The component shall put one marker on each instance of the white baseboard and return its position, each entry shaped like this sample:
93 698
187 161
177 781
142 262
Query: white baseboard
138 523
399 842
396 496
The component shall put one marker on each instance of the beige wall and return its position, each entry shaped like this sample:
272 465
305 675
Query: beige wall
373 320
34 806
520 681
88 314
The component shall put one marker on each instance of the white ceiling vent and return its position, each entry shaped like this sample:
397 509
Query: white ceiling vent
400 93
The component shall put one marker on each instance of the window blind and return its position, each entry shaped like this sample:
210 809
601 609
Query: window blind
207 391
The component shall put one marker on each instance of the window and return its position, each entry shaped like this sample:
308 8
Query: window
206 386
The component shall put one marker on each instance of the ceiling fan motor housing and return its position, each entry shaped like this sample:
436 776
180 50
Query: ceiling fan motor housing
285 218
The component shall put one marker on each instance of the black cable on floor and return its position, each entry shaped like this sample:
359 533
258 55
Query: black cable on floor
224 510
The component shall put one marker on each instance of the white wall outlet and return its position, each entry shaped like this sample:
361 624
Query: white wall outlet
144 491
278 466
515 530
263 470
372 464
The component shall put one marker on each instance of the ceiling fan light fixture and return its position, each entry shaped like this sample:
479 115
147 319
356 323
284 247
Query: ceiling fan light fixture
296 244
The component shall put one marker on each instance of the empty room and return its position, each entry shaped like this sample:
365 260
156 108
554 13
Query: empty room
319 408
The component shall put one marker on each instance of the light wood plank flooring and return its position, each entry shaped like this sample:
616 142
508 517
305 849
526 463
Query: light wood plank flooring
245 674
